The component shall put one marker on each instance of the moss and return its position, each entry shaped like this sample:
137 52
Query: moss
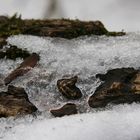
2 42
2 55
116 33
64 28
11 26
13 52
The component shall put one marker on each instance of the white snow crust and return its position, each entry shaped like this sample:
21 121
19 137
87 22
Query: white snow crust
85 57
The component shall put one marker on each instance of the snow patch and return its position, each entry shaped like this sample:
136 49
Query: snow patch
120 123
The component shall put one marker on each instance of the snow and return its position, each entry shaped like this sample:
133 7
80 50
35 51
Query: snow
120 123
85 57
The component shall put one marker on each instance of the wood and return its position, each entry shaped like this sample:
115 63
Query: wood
24 67
64 28
15 102
120 86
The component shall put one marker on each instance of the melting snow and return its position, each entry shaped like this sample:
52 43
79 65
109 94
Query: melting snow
85 57
120 123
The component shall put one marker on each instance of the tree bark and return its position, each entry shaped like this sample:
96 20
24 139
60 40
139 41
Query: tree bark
64 28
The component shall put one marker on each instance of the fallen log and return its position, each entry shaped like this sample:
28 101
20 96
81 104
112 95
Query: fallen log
24 67
64 28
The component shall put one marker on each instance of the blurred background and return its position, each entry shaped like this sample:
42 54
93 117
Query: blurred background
115 14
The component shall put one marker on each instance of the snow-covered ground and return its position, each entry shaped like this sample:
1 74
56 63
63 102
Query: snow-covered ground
121 123
85 57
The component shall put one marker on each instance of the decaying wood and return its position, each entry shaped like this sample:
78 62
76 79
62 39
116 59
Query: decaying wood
15 102
24 67
67 109
68 88
64 28
120 86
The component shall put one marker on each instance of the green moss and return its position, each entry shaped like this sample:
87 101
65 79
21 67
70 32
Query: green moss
11 26
13 52
115 33
65 28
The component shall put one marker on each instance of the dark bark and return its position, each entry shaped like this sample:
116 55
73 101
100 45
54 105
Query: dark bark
15 102
24 67
67 109
120 86
68 88
64 28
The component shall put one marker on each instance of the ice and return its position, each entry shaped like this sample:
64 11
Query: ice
85 57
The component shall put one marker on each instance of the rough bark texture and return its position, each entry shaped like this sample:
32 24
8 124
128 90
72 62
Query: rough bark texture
68 88
67 109
24 67
120 86
15 102
64 28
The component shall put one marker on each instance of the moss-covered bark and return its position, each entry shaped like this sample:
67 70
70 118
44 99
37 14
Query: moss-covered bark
54 28
64 28
14 52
